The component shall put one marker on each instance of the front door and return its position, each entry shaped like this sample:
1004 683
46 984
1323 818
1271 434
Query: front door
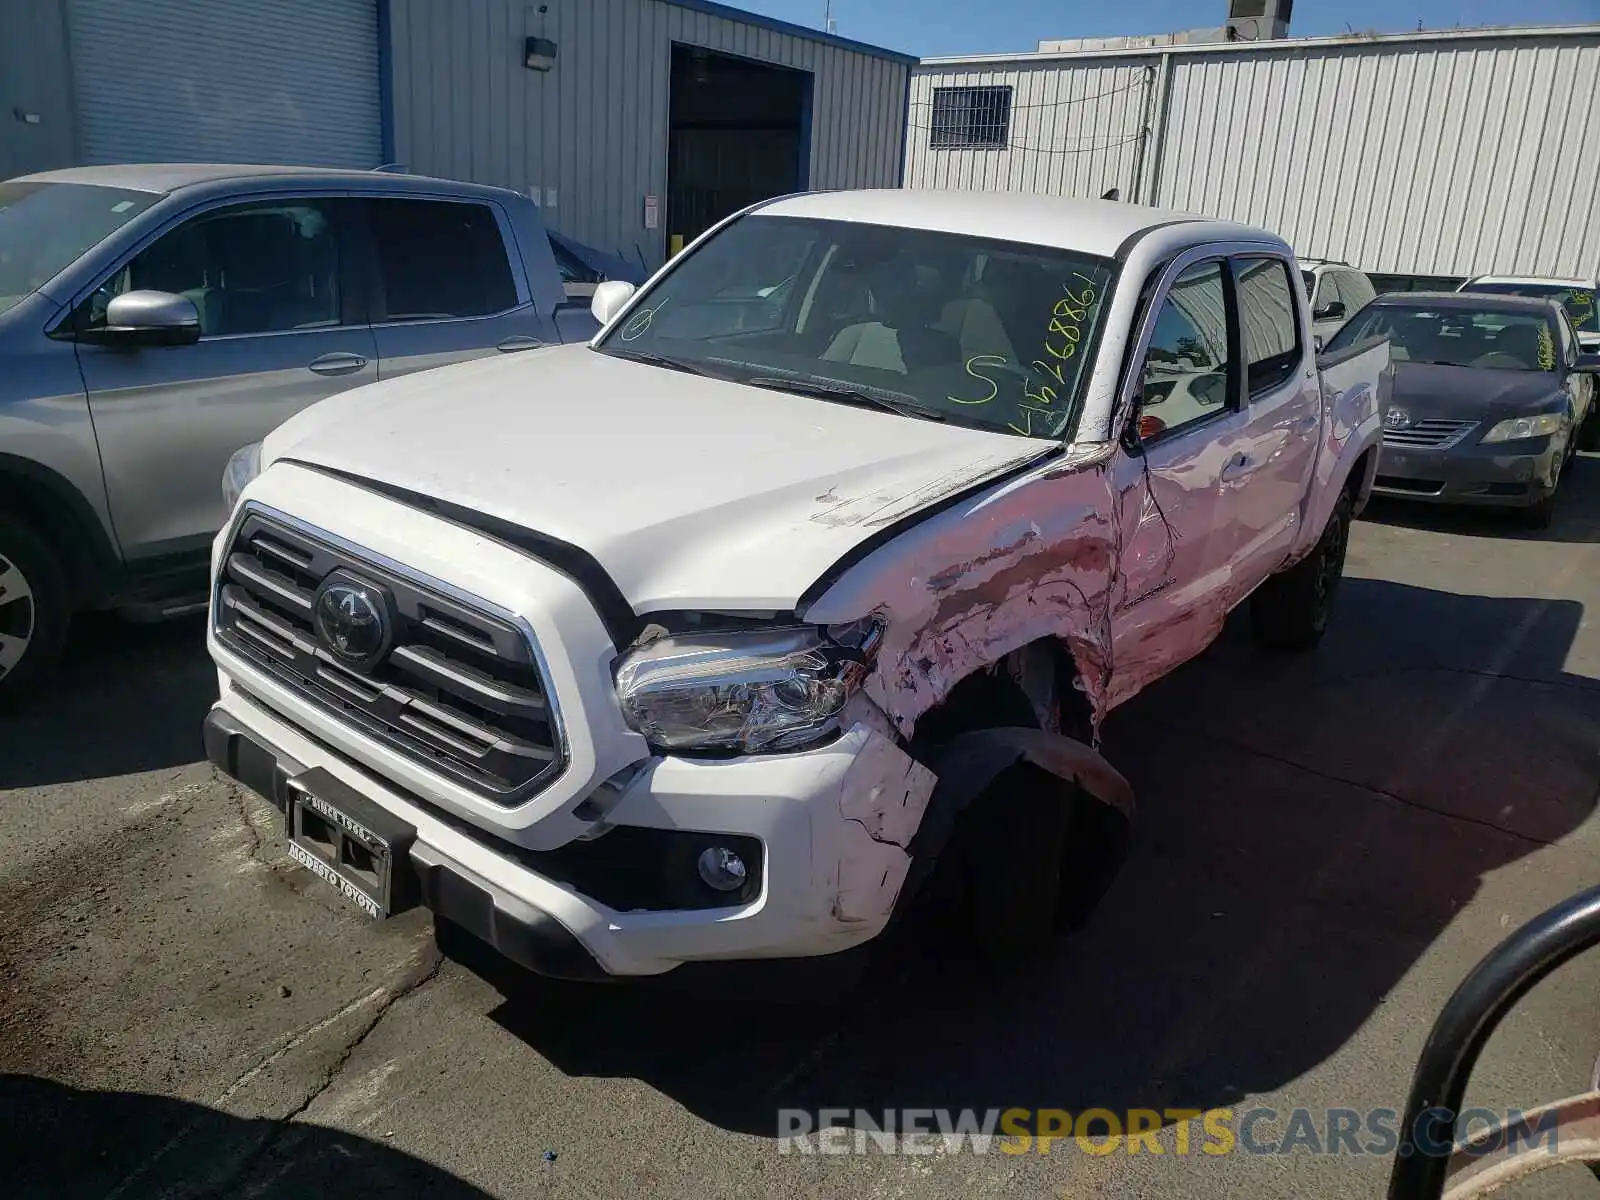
1266 472
277 332
1170 603
444 290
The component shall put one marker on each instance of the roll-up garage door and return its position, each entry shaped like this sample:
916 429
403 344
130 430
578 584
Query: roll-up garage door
248 81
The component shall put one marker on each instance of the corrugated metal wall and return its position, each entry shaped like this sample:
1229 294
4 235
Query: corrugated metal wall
1075 129
594 129
35 80
172 81
1447 157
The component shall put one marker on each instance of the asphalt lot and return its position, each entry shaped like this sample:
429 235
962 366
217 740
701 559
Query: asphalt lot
1326 845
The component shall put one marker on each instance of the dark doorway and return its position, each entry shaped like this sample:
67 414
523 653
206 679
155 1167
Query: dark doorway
739 132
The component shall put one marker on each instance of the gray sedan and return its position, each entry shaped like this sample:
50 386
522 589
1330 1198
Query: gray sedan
1492 398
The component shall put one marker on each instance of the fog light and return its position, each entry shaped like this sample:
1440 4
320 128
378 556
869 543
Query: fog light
721 869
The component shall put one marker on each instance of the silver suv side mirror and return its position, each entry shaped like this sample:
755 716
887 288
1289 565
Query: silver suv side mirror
147 318
609 299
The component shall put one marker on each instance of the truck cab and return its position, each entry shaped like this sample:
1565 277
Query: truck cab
800 592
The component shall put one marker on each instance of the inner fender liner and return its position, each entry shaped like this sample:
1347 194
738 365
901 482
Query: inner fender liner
1098 832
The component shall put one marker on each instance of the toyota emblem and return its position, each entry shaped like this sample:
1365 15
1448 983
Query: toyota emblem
1396 418
352 620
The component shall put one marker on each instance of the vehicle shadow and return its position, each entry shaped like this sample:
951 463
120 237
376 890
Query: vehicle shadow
60 1141
1308 826
127 698
1577 512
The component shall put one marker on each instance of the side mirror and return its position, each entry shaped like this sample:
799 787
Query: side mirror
147 318
1588 363
609 299
1329 311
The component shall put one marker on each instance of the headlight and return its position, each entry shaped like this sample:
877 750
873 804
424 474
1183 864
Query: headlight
764 690
244 466
1515 429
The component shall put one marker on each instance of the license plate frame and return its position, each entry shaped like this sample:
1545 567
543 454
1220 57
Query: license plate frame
359 849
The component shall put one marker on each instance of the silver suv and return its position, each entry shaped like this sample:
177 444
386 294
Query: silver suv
155 319
1337 291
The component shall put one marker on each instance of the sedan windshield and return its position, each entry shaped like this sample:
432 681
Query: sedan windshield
1456 336
968 330
45 226
1579 302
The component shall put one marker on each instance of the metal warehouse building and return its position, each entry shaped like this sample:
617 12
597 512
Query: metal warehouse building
631 121
1443 154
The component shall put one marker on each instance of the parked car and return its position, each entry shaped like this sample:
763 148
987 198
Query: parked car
1492 397
1577 296
1337 291
153 319
817 569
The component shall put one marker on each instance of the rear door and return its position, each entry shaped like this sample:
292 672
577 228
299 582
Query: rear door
1271 458
445 285
281 326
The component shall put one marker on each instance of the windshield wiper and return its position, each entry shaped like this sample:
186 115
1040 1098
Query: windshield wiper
658 360
843 393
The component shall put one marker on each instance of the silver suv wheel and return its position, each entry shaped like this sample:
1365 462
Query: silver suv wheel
17 618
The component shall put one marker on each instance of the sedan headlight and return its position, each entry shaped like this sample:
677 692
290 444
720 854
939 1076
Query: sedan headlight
1515 429
753 691
244 466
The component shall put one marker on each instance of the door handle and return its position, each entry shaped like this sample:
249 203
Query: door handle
339 362
1306 423
520 341
1238 467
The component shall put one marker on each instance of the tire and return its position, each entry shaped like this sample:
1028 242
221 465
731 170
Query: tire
1007 848
1291 611
1589 432
1542 513
35 611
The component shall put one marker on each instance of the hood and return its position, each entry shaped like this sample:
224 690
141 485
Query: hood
1428 391
691 492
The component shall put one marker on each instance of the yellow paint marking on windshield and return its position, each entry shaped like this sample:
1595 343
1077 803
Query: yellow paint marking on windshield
994 388
1547 349
1061 337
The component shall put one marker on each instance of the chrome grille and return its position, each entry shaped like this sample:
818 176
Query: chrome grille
458 690
1430 434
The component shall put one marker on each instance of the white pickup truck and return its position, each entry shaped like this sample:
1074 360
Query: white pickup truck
819 567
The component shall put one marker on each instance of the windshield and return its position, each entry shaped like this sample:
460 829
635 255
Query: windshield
1579 302
1456 336
973 331
45 226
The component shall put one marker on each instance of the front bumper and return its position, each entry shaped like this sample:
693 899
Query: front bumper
1470 474
830 870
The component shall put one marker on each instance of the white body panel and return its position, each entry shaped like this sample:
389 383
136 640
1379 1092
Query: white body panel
699 494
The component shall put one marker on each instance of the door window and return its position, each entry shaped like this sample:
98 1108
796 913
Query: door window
1269 322
1188 373
1357 290
439 259
1569 341
266 267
